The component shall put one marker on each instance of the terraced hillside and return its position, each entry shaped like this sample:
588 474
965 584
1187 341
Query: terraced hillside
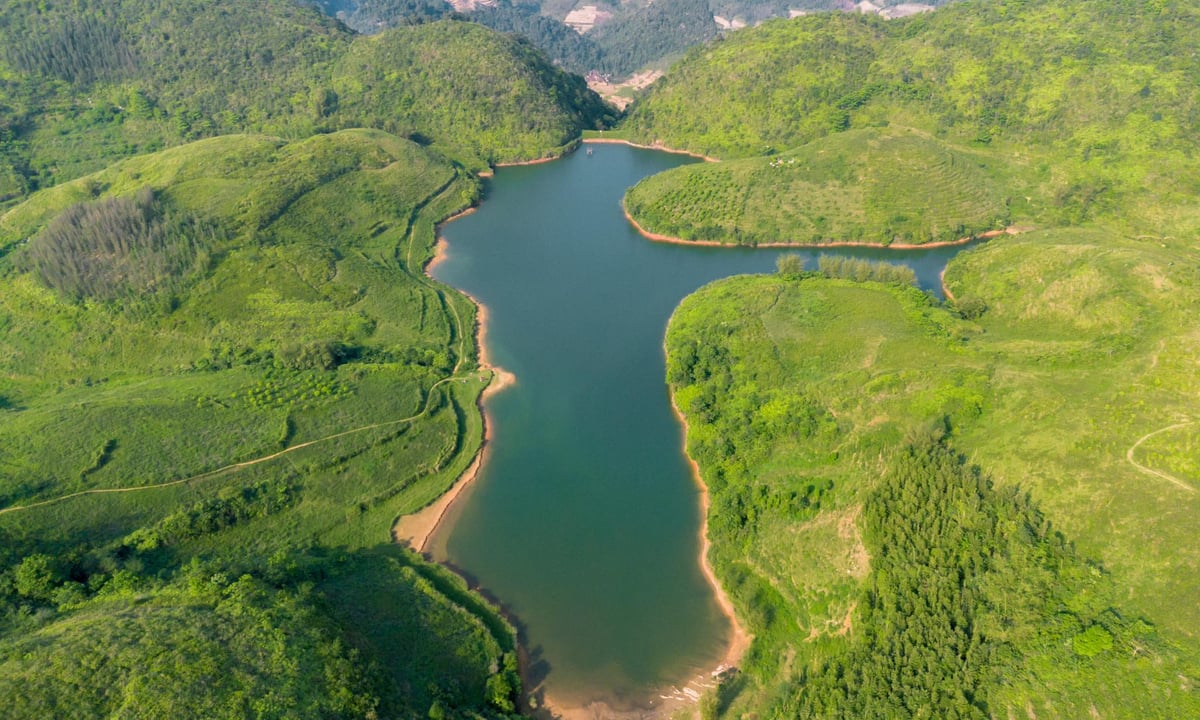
263 409
1068 130
877 186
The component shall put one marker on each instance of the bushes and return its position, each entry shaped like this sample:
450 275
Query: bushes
859 270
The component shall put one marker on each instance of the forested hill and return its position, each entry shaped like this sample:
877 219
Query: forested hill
86 82
1099 77
1063 112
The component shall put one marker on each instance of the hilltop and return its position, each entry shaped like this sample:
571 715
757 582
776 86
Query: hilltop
84 84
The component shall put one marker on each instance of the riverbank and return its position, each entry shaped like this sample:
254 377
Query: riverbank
740 641
416 529
562 152
672 240
656 146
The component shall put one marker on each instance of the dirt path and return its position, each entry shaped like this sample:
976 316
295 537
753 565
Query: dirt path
1129 456
245 463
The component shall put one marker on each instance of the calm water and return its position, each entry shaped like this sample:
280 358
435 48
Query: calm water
584 521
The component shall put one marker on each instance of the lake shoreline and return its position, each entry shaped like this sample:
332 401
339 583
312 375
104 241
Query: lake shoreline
417 529
740 640
672 240
656 146
421 530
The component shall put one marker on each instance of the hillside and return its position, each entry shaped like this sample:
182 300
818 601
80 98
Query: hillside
1072 130
85 83
249 377
875 186
979 510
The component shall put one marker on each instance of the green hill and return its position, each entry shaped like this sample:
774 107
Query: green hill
212 649
1106 76
1048 571
225 356
875 186
84 83
1081 111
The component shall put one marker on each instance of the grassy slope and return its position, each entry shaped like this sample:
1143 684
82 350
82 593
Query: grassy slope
861 186
325 244
82 84
1084 348
1082 110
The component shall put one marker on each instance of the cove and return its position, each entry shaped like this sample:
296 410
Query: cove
584 522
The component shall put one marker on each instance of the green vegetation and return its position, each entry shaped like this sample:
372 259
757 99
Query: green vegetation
860 186
225 375
466 87
1060 130
373 16
645 33
82 84
883 575
204 646
638 35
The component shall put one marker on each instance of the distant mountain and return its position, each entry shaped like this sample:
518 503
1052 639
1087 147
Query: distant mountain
616 38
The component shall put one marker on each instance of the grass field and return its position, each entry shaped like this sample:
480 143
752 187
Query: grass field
1065 369
271 416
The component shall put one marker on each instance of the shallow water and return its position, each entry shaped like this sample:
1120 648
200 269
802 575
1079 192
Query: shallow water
584 521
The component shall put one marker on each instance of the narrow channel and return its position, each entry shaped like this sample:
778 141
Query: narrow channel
584 521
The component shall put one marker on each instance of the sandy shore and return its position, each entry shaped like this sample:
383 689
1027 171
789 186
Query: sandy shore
657 237
945 290
655 146
417 528
739 643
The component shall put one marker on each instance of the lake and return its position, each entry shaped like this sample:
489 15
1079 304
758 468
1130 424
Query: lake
584 521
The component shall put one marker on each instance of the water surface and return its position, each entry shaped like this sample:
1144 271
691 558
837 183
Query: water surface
584 522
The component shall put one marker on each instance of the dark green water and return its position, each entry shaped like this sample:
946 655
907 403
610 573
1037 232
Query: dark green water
584 522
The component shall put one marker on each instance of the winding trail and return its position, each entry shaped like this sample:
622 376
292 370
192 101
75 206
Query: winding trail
1169 478
243 464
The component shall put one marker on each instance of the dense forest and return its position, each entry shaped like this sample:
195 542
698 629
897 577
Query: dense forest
577 53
